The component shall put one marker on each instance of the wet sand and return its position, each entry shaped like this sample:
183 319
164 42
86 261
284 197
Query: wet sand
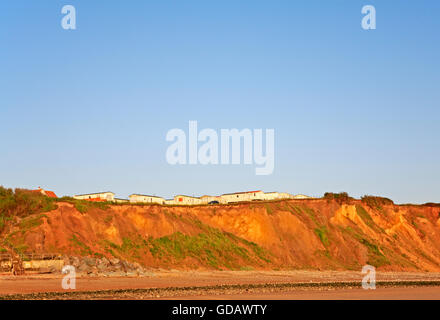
418 293
228 285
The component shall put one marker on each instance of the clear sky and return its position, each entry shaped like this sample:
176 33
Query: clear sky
88 110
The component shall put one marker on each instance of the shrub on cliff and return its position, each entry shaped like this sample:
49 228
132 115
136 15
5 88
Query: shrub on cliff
341 197
376 202
84 206
22 202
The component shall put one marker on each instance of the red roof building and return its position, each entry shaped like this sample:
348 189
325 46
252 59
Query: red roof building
47 193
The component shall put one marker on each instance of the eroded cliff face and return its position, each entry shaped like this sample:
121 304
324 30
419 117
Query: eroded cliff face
301 234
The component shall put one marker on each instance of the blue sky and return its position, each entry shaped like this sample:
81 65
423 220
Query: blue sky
353 110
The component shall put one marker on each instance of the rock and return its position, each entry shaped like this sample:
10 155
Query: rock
105 261
92 271
67 260
89 261
125 266
112 267
74 261
83 267
136 265
102 267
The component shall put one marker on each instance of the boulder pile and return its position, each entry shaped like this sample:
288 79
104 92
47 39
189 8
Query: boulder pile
105 267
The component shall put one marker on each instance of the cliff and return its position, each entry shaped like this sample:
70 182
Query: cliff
322 234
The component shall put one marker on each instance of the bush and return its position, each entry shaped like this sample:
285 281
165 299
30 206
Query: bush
84 206
22 202
376 202
340 197
431 204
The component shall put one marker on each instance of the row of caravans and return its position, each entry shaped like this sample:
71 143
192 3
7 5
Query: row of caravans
188 200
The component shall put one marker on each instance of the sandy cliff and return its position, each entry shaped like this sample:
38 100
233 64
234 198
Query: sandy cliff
292 234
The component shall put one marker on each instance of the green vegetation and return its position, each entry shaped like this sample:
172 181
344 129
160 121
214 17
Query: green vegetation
321 230
419 230
322 233
341 197
20 249
365 216
23 203
256 249
31 222
312 215
210 247
84 206
83 249
375 256
367 219
3 220
376 203
268 209
302 210
215 249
